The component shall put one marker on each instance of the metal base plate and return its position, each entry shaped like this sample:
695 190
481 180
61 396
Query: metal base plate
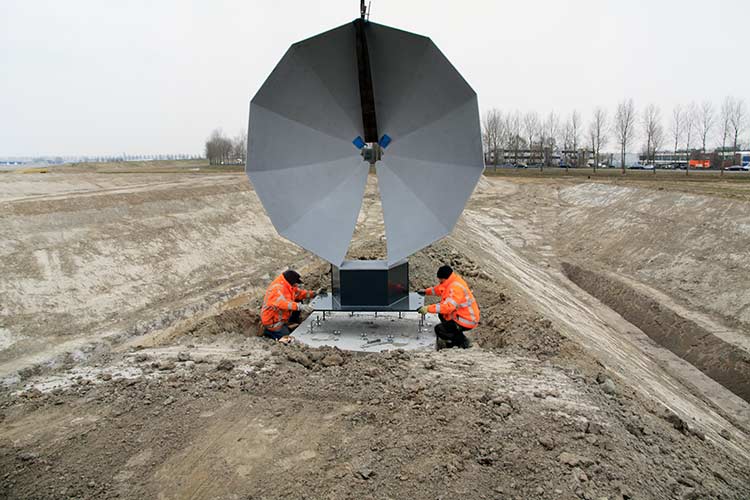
367 331
326 303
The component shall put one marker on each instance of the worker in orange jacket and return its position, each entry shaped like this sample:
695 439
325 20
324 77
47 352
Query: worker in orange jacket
281 309
458 309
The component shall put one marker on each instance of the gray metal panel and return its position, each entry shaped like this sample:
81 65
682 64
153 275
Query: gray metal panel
315 84
278 143
316 206
301 160
455 139
423 198
434 162
414 83
394 62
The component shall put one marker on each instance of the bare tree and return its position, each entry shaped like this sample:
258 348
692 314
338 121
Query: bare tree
239 147
531 130
549 133
513 135
657 143
706 122
574 135
737 121
691 118
212 147
727 107
492 134
566 135
218 148
624 127
653 131
676 128
598 133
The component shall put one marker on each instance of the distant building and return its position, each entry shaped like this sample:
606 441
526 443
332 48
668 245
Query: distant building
631 159
665 159
670 159
523 157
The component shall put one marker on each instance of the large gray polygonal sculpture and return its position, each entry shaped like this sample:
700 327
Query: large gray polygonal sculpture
307 119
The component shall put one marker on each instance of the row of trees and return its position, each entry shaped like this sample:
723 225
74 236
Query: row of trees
690 126
222 150
694 125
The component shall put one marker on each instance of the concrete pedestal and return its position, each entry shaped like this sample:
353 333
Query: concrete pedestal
368 331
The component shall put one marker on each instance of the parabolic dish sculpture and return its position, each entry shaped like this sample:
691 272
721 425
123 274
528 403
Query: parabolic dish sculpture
337 99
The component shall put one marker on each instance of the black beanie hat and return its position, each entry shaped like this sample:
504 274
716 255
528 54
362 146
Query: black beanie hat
444 272
292 277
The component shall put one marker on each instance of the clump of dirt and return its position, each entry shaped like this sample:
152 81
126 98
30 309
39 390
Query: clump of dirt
242 320
313 358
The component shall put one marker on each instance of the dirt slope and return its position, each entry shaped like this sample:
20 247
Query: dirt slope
87 256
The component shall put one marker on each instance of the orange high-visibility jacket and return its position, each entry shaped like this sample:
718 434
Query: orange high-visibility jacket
457 303
280 300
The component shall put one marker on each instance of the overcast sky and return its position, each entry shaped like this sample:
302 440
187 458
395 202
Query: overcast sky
156 76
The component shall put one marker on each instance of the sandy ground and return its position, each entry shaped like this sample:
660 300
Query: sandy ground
131 370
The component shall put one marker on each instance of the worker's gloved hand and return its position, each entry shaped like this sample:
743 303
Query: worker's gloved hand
306 308
321 291
422 291
422 310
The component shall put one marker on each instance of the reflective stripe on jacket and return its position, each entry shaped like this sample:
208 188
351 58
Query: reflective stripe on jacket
457 303
280 300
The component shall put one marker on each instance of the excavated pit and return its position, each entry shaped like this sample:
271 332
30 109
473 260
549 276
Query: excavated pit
725 363
155 385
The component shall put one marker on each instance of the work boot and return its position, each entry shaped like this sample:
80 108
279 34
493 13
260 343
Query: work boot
465 343
440 344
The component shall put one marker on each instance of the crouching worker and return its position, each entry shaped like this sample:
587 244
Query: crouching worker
281 309
458 310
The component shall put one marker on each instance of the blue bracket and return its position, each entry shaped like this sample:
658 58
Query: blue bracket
384 141
359 142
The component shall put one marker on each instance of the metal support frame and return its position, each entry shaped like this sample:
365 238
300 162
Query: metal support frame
366 94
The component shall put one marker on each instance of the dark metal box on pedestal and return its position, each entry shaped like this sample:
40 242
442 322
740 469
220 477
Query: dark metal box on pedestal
370 283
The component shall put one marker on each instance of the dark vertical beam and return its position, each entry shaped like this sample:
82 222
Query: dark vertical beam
366 94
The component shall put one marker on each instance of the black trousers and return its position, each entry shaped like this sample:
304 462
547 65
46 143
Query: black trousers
451 333
284 331
294 318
